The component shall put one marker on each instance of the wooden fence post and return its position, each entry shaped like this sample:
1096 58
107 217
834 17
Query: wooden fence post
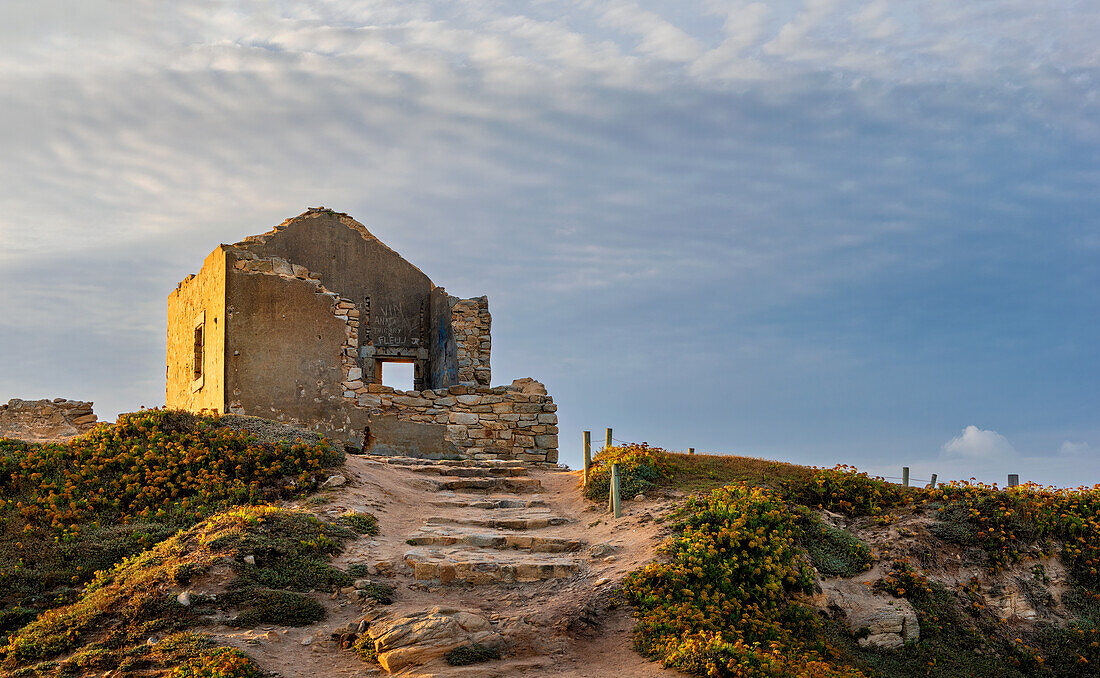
1013 479
608 443
587 455
613 494
905 476
933 483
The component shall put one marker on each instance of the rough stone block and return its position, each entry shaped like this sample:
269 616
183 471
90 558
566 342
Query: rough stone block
546 442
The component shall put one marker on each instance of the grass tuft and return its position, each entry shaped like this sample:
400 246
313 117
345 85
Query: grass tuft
464 655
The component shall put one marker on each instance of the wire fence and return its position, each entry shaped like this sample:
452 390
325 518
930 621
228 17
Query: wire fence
905 479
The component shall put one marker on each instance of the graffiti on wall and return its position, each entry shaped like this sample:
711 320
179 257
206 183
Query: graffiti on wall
392 326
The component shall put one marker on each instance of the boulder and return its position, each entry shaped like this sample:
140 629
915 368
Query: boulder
601 550
420 637
334 481
877 619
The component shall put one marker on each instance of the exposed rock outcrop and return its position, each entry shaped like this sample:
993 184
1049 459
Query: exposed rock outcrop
876 619
422 636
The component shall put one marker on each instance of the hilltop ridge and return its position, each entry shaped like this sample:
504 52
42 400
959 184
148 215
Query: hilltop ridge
172 544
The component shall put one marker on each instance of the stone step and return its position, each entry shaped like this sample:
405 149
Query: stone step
449 535
471 472
452 463
513 485
479 566
525 520
490 503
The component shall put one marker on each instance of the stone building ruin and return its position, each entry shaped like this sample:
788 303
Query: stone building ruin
295 325
40 421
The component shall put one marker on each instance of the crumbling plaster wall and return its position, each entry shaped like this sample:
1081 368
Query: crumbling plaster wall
38 421
289 339
198 297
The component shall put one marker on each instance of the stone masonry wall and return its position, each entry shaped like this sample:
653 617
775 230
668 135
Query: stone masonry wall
484 423
45 420
471 322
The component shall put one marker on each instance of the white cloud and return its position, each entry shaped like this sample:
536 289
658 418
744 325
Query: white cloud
1070 448
979 444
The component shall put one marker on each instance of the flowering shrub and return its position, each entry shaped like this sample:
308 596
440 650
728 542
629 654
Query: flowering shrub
721 604
365 649
220 662
846 490
904 581
1004 522
159 465
641 467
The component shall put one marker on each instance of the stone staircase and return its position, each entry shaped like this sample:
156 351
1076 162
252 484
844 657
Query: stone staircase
488 526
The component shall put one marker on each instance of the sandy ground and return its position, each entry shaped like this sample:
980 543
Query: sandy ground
563 627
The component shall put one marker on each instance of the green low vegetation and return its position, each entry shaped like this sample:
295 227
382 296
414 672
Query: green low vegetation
124 606
833 551
70 510
474 653
641 468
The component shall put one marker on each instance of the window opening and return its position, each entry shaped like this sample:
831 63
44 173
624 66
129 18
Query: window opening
398 375
198 351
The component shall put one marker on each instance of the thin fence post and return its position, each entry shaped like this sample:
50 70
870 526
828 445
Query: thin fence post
1013 479
905 476
933 483
691 450
587 455
608 443
613 495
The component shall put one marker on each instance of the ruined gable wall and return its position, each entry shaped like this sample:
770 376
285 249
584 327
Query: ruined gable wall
292 357
198 296
357 266
471 323
37 421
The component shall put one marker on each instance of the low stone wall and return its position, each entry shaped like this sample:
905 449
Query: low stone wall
504 422
39 421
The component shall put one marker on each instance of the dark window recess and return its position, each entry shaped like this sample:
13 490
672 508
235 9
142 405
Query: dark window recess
198 352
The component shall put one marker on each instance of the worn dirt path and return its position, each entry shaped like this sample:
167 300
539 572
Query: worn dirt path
558 620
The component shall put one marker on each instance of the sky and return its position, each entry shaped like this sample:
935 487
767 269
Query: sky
821 231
